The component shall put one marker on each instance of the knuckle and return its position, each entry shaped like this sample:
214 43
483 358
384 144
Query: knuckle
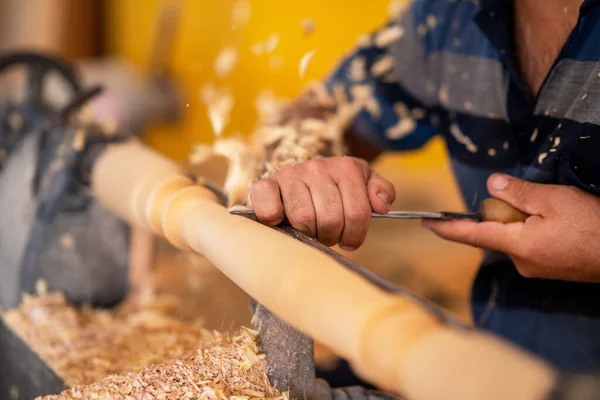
261 185
359 218
330 223
316 166
261 190
351 164
271 214
301 217
287 173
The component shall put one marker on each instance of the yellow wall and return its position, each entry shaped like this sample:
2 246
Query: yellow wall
206 27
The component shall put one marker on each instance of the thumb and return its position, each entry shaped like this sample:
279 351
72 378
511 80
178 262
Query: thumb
381 193
531 198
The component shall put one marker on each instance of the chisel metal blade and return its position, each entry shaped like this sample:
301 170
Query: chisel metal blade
441 215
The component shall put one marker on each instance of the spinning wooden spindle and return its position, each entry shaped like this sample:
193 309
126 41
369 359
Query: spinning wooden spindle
390 340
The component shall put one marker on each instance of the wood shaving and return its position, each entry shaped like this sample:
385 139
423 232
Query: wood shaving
291 132
364 40
305 60
383 65
534 135
406 124
225 62
271 42
267 106
258 48
364 94
267 46
443 94
308 26
85 345
387 36
418 113
358 69
200 153
219 103
79 140
276 62
397 8
241 12
15 121
460 137
556 141
140 353
244 164
223 368
432 21
67 241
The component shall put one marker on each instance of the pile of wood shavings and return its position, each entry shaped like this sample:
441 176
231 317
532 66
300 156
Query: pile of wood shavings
224 368
85 345
291 132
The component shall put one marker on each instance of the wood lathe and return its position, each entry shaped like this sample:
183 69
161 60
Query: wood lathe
395 340
392 341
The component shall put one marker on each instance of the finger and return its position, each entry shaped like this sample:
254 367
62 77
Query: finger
265 198
531 198
486 235
357 211
298 205
381 193
329 210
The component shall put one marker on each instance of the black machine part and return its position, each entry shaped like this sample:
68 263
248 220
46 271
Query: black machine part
24 374
52 228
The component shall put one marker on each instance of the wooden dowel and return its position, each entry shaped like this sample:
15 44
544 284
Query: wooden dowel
389 339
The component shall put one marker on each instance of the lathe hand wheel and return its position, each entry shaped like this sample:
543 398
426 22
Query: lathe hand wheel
38 66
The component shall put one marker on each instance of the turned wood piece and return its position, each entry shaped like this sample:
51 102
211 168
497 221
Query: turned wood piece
389 339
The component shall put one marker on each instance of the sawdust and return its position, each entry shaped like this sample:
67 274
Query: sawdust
223 368
85 345
141 352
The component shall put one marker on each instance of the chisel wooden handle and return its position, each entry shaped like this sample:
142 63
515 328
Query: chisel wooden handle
500 211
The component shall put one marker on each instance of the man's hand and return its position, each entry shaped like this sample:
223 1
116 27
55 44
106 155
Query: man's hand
560 240
330 199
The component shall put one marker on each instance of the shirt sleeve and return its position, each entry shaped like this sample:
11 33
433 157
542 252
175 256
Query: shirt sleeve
392 119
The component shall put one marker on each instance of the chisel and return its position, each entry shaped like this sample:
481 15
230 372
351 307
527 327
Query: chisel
491 210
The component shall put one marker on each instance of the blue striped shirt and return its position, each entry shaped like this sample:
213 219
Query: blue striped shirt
448 67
